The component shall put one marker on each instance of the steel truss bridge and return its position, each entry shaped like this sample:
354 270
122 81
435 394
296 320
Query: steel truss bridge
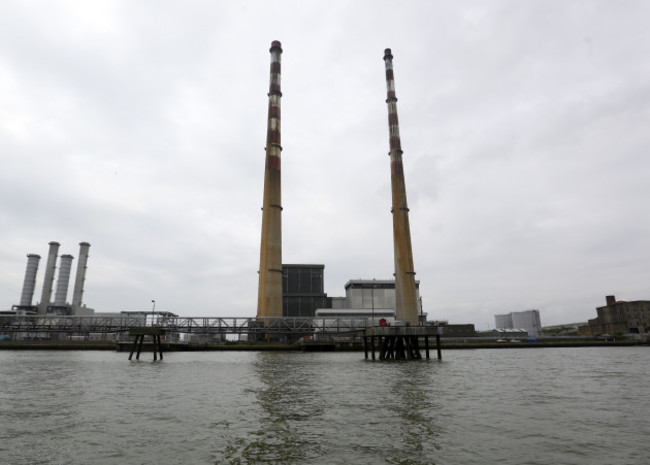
286 326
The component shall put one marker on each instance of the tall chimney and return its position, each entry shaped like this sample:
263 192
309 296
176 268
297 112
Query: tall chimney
50 267
64 278
610 299
80 278
406 307
269 298
29 284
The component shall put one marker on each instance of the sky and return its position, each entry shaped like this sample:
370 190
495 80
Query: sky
140 128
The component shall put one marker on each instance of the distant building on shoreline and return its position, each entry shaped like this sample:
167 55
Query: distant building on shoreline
528 320
620 317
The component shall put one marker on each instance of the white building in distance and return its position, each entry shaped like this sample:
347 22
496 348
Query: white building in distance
528 320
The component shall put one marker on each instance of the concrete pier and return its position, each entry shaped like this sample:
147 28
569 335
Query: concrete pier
401 342
139 334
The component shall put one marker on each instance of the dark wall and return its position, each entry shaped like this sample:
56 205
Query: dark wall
302 290
466 330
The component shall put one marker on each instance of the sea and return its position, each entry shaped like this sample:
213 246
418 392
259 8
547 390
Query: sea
486 406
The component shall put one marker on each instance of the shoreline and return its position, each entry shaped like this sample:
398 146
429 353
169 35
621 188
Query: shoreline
125 346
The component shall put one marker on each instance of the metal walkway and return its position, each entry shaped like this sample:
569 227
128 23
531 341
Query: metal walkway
195 325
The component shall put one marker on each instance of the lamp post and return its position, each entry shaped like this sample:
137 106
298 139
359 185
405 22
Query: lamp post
152 311
372 302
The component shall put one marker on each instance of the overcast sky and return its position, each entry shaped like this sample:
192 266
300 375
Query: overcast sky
140 128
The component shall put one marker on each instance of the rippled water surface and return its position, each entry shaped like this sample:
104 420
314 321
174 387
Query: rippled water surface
514 406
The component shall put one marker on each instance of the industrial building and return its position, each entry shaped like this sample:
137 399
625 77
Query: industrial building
377 294
59 305
366 302
302 290
528 320
303 295
621 317
374 298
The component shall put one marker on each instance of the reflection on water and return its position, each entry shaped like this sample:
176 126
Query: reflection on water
415 411
334 408
284 393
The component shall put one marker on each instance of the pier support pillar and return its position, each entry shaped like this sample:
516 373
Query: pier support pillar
139 334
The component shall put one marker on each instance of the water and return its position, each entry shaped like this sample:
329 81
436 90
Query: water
507 406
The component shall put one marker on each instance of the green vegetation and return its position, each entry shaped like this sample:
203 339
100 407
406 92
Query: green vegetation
557 330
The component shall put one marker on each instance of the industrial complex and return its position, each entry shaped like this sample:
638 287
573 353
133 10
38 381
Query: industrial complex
296 291
60 304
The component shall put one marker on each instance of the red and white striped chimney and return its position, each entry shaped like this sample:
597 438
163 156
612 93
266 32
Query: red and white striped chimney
406 306
269 300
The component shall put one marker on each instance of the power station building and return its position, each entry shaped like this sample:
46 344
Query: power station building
374 299
370 293
303 295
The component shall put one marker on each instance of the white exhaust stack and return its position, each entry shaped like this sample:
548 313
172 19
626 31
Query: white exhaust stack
64 279
80 277
30 280
50 267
